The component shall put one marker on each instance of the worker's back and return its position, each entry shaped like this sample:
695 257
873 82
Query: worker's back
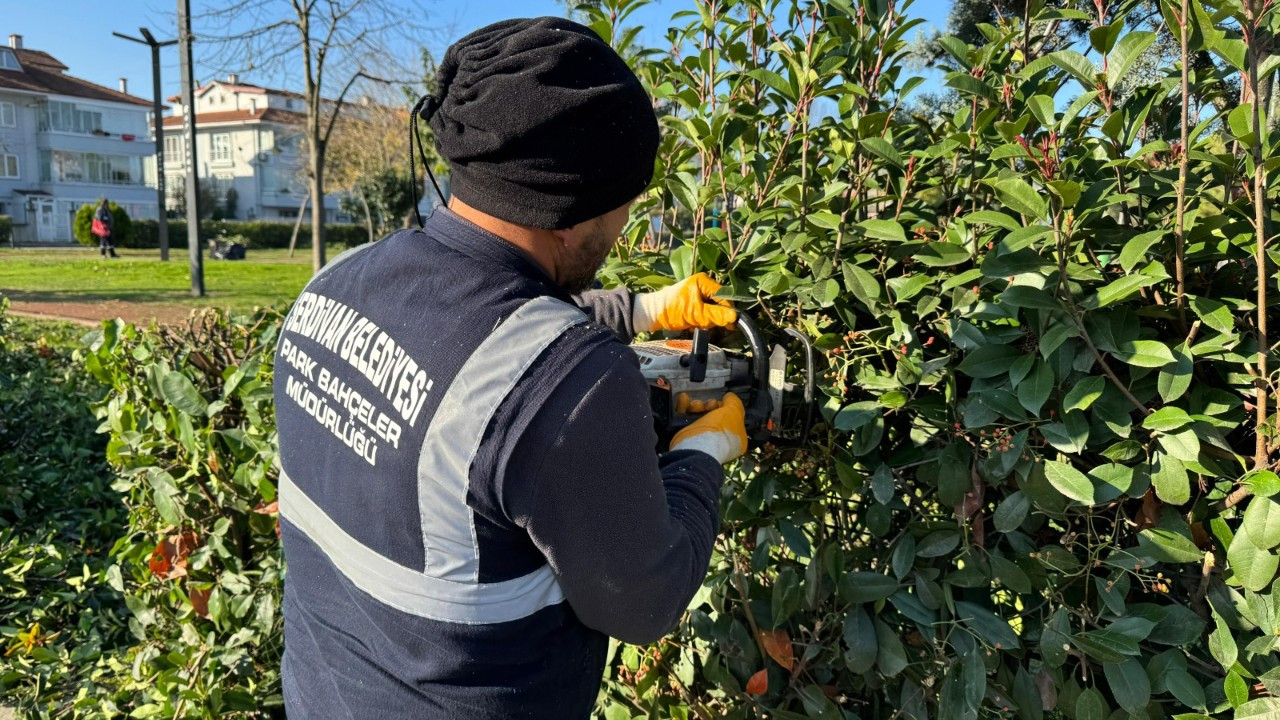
405 373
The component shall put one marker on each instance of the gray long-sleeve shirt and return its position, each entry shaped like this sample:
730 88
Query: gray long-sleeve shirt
629 538
610 308
630 541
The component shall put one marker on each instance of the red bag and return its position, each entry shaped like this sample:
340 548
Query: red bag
99 229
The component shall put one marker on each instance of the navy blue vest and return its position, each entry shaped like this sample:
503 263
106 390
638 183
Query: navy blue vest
405 373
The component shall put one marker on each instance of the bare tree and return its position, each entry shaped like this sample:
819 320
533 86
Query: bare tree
365 147
337 44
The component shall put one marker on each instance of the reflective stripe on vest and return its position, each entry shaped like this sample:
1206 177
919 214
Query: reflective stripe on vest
446 588
453 437
412 591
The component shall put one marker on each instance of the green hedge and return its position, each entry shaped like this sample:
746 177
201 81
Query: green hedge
121 226
259 234
6 229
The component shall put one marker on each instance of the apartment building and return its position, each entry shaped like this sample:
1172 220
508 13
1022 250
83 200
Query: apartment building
65 142
248 138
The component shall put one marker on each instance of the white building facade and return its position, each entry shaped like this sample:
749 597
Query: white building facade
67 142
248 139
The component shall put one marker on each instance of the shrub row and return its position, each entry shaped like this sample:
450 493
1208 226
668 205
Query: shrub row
169 608
144 233
1046 486
6 229
256 233
192 429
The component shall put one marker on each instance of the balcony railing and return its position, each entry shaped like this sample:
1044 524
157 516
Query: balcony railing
64 117
60 166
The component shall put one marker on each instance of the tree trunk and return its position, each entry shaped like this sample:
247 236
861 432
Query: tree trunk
368 216
317 205
297 225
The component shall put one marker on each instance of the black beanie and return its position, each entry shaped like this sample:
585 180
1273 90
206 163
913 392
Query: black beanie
542 123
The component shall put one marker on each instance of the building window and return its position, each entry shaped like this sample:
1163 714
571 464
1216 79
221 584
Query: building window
66 117
8 61
8 115
88 121
8 166
96 168
288 142
222 147
276 178
172 149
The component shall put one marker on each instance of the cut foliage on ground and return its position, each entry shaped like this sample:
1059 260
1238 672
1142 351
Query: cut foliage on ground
60 616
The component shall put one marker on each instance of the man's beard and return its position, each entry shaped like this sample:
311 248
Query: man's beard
586 259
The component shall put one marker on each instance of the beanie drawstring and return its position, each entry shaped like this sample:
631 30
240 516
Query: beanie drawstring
426 106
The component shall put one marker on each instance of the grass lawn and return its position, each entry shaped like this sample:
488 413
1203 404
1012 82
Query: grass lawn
137 284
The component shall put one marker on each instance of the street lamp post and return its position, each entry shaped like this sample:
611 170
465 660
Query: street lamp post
162 227
189 133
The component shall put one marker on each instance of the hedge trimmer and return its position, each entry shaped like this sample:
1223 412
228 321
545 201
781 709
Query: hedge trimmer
688 377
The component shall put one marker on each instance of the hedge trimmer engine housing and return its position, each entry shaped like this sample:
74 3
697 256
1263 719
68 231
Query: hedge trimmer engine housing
687 377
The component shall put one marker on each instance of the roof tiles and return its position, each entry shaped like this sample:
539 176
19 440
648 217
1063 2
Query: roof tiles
265 115
42 73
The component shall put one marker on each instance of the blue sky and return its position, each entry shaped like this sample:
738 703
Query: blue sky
78 32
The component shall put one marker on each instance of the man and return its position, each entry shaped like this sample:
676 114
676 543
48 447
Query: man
470 495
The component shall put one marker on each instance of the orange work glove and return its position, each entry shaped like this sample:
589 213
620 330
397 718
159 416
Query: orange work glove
687 405
687 305
721 433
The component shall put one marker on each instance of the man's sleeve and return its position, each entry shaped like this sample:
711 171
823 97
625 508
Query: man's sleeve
628 533
610 308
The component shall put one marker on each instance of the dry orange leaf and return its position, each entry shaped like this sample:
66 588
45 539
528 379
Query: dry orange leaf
778 644
169 559
159 563
200 602
1152 508
759 683
264 508
1200 536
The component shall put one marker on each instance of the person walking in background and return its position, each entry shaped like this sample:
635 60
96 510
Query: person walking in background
102 225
